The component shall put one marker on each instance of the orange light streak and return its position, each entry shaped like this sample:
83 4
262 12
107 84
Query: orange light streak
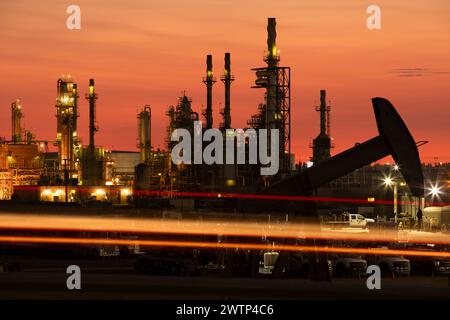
212 228
213 245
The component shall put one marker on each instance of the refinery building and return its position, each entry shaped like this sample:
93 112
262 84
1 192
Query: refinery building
89 173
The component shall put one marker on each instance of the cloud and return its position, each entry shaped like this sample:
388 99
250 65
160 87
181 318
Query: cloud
416 72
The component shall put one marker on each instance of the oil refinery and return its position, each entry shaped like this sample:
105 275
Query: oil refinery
219 201
86 174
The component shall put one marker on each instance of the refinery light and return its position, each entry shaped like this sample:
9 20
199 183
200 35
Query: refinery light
126 192
100 192
435 190
388 181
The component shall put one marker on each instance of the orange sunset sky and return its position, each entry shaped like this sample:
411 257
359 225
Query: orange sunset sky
148 52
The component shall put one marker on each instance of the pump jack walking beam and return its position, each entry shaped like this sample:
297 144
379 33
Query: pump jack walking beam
394 139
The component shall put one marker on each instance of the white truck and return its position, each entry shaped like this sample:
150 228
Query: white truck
352 220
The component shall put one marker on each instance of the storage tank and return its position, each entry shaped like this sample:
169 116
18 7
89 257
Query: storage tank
438 216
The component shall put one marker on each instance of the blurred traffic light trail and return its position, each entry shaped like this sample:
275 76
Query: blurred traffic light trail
146 226
218 245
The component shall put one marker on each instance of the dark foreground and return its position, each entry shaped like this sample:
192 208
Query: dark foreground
116 279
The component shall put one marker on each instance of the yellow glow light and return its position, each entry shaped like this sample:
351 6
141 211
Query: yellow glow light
435 190
125 192
388 181
230 182
100 192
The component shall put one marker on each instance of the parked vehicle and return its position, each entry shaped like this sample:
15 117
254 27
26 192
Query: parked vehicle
131 249
165 265
350 220
429 265
391 265
348 265
302 265
269 260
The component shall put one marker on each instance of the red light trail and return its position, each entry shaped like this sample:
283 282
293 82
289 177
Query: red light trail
247 196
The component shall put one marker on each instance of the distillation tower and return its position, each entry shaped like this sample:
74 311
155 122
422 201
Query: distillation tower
275 112
144 134
66 139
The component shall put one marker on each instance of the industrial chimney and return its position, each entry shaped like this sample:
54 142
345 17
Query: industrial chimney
227 78
92 157
272 58
16 116
209 80
322 144
92 97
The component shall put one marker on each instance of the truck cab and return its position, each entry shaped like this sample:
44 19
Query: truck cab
391 264
348 265
356 220
352 220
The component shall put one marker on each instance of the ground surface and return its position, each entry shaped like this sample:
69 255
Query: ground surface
44 278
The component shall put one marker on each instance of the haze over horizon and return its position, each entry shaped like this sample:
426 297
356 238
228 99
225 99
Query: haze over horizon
150 52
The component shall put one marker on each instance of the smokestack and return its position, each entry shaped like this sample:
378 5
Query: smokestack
272 38
272 58
322 143
227 78
209 80
92 97
16 116
323 111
